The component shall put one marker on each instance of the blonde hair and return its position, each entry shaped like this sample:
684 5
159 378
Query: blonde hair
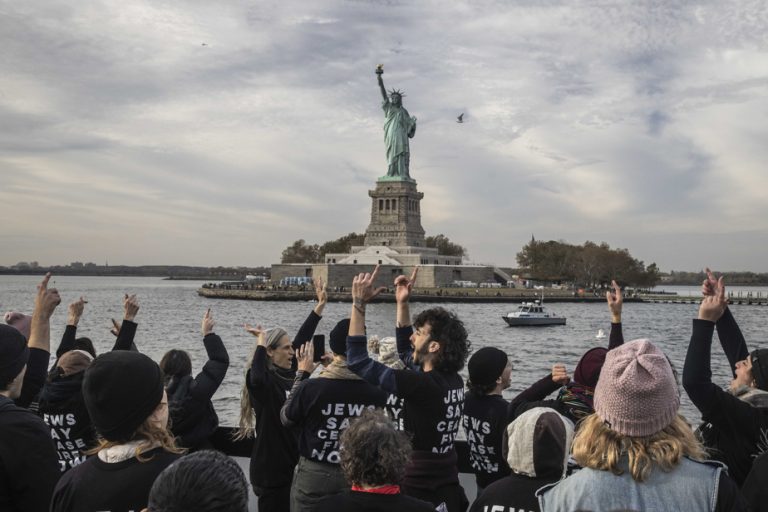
596 446
247 414
151 436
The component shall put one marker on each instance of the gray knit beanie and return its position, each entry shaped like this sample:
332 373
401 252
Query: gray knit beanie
637 394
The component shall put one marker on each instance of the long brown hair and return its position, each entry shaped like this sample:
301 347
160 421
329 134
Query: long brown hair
596 446
151 436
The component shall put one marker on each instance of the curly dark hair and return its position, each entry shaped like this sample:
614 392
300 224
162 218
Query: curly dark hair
373 452
449 332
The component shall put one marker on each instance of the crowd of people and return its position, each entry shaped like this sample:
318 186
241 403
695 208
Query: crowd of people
372 425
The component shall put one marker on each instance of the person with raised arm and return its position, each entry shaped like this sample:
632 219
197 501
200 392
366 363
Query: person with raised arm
575 399
69 340
61 404
269 377
321 408
487 413
432 388
28 468
193 418
735 420
124 341
128 405
637 452
39 344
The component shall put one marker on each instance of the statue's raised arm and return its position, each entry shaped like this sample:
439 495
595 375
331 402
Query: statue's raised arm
379 72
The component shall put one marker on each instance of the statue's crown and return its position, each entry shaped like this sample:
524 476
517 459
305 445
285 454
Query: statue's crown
398 92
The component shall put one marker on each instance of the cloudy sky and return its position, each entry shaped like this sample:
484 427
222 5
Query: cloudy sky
216 133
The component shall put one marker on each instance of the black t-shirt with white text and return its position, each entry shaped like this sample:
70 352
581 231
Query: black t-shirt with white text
323 407
101 486
485 421
433 406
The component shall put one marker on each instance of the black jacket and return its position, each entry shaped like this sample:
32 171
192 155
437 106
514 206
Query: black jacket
193 418
734 431
276 448
110 486
28 467
62 407
755 490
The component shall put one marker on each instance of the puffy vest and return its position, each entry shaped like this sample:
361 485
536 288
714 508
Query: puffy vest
690 486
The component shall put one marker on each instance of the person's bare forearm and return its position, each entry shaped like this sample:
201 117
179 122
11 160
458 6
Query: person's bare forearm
40 332
403 314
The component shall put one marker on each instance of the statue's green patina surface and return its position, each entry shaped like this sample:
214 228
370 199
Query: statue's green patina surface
399 126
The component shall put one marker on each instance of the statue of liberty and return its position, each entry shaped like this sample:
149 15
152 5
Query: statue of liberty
399 126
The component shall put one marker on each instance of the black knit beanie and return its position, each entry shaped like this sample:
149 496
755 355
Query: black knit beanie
13 354
338 337
121 389
759 359
486 365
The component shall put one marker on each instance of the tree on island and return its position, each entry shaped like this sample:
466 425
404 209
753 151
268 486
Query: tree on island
445 246
589 265
300 252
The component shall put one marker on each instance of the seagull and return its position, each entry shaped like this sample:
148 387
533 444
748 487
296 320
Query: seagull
600 334
460 119
204 44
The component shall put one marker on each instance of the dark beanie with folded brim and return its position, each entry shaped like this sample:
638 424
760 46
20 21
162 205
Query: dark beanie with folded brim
121 389
486 365
13 354
759 359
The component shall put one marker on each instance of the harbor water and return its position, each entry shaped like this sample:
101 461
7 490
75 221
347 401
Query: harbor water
171 312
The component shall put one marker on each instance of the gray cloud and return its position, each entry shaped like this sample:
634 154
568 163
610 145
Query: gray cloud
638 124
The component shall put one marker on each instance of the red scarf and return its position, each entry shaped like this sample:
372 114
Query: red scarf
384 489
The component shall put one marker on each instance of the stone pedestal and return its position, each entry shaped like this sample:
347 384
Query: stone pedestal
395 214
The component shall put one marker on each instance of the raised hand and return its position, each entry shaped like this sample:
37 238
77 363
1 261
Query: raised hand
46 299
115 330
320 290
208 323
404 285
363 290
713 306
709 285
259 332
615 301
304 357
75 311
131 306
560 374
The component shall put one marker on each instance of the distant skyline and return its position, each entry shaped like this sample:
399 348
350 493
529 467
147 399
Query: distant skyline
205 134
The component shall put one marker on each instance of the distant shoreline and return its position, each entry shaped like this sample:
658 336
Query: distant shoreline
223 274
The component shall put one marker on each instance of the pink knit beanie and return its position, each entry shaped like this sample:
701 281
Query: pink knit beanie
636 394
